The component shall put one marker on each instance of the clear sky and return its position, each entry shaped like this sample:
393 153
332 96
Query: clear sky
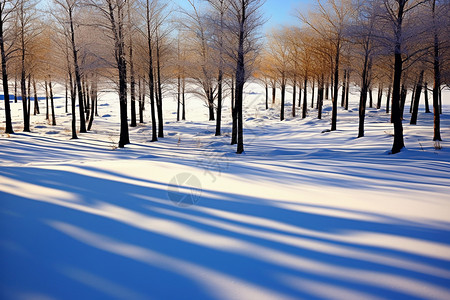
281 12
278 12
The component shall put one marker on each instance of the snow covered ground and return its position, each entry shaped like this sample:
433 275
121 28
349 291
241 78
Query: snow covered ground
301 215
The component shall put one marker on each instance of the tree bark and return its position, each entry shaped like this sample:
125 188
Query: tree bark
52 102
305 98
415 106
8 124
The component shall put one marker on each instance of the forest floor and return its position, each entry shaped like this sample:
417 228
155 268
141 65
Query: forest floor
303 214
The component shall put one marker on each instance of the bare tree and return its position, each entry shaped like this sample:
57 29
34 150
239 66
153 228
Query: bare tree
245 19
7 7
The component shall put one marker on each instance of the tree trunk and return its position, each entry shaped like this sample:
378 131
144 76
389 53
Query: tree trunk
343 89
398 144
36 100
312 92
283 98
93 97
47 107
417 94
267 95
151 80
219 104
437 80
320 96
8 124
160 95
77 74
294 96
335 90
233 113
183 97
305 98
274 93
427 104
52 102
388 100
347 91
380 95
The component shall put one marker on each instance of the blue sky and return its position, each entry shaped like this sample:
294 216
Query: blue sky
278 12
281 12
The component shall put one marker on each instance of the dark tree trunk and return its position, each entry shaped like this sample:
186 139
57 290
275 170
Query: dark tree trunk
160 95
370 98
300 96
437 80
233 113
362 110
93 96
380 95
347 90
274 93
294 96
427 104
412 98
67 96
8 124
15 90
335 89
398 144
388 100
141 88
320 96
305 98
403 94
36 100
312 92
178 97
47 107
267 95
343 89
183 97
50 84
77 74
219 104
283 98
73 99
417 94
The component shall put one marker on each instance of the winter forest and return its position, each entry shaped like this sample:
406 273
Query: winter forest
185 149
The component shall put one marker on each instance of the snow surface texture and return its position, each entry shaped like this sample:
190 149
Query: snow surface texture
301 215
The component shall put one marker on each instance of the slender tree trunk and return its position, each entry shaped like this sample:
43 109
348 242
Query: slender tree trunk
160 95
370 98
178 97
320 96
233 113
47 107
67 96
294 96
77 74
15 90
380 95
52 102
183 97
8 124
417 94
437 80
312 92
335 90
93 98
388 99
36 100
343 89
347 90
403 100
267 95
398 144
151 80
427 104
305 98
219 104
283 98
413 94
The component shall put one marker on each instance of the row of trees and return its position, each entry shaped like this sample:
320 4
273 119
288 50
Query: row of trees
151 49
137 45
389 45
